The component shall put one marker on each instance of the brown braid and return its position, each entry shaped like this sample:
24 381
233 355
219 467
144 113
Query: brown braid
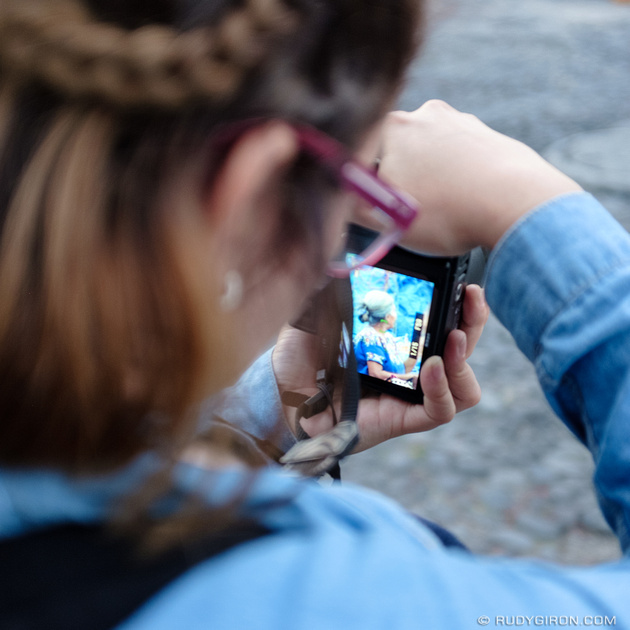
58 42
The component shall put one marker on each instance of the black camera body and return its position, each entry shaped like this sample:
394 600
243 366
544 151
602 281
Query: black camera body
428 294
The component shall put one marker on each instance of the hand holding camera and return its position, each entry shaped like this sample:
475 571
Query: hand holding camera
448 382
438 155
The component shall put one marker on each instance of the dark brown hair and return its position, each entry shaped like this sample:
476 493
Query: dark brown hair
107 110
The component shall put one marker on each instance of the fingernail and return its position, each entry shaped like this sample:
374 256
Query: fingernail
461 346
437 371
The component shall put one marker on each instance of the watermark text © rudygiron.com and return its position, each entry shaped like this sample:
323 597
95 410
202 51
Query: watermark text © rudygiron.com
547 620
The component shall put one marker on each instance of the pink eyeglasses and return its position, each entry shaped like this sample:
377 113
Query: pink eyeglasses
393 210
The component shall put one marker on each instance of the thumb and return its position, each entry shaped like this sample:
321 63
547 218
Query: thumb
438 400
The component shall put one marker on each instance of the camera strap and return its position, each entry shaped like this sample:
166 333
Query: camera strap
330 317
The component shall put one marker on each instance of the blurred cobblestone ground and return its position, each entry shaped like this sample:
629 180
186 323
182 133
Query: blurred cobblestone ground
507 477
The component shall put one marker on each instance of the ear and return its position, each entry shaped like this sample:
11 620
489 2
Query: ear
243 202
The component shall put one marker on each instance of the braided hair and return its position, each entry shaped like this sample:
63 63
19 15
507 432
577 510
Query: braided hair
59 43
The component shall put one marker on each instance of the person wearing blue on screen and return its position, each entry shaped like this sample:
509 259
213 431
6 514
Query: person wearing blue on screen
375 346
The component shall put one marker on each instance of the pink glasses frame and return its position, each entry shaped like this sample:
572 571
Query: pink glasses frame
398 206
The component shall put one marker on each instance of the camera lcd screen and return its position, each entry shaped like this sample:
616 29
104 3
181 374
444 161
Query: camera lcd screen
391 318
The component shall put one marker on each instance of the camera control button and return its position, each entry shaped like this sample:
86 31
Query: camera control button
458 291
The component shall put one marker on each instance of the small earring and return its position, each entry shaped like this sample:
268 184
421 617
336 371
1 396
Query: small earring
233 291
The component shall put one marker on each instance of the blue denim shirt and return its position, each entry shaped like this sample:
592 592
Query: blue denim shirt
346 557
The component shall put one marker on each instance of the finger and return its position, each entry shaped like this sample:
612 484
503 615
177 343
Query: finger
475 313
318 424
462 381
439 404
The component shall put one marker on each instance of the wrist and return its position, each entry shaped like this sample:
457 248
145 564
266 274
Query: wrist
522 193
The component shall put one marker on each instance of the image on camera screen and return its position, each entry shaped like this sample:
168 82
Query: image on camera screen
391 315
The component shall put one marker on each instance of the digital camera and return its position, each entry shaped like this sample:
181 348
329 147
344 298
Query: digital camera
427 294
403 309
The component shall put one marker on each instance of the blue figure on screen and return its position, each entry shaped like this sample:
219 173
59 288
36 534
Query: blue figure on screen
375 346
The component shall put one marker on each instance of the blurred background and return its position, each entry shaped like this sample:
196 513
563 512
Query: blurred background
506 476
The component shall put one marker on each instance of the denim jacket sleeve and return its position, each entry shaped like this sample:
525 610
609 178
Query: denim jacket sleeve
560 282
253 405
